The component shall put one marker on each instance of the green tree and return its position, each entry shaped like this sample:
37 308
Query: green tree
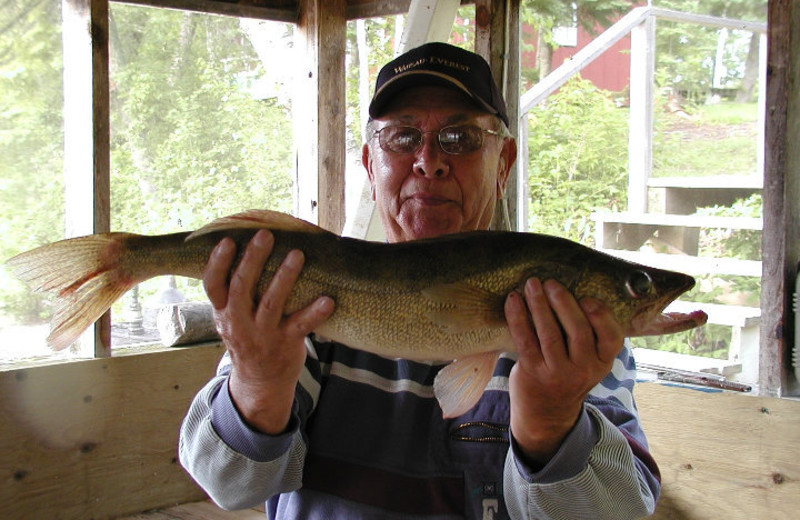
685 53
31 140
191 143
577 160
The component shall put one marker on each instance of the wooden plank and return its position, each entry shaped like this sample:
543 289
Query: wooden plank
374 8
98 438
748 182
204 510
670 220
86 136
493 41
722 454
781 241
275 10
515 196
319 113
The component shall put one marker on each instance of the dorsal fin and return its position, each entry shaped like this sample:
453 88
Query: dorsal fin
257 219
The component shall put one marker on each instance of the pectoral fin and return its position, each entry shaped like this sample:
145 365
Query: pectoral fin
465 307
459 385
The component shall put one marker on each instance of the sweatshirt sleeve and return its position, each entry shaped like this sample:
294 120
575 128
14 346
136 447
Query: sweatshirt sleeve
239 467
602 470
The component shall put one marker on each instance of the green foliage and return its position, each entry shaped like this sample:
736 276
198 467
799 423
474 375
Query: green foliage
578 153
685 53
190 142
31 138
742 243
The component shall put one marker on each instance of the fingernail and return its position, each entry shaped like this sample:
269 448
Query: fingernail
262 238
533 287
225 246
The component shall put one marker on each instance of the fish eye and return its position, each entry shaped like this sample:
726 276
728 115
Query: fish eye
639 284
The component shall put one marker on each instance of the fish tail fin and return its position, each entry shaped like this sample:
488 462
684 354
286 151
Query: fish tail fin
87 275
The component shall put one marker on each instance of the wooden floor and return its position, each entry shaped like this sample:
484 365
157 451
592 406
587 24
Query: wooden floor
205 510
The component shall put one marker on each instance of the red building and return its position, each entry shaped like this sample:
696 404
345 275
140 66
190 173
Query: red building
610 71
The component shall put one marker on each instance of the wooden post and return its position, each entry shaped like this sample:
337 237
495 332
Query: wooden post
319 110
497 40
86 135
516 192
640 133
780 240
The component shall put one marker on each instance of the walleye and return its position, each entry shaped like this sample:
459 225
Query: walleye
433 299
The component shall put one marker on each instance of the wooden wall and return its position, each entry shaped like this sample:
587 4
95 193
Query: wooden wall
98 439
723 455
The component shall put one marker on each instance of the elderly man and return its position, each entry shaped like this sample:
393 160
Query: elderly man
320 430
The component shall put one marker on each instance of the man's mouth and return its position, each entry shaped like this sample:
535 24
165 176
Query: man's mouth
428 199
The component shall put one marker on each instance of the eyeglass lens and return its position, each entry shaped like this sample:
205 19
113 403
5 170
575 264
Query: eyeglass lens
453 139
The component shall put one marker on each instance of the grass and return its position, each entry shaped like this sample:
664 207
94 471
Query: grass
716 139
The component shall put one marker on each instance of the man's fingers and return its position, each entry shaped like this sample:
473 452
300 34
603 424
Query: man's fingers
607 330
272 302
245 277
521 328
304 321
215 275
577 331
548 329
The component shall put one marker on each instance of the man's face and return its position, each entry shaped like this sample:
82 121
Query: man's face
429 192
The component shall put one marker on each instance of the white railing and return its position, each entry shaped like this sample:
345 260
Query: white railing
640 24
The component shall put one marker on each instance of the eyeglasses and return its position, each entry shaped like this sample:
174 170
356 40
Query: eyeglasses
455 140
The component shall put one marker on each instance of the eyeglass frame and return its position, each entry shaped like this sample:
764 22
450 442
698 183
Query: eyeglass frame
438 133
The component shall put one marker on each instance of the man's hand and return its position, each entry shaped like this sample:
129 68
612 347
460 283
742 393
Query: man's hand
267 349
565 349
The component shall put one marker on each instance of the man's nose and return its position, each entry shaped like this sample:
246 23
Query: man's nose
431 161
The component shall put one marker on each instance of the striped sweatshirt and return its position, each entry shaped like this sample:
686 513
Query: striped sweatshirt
367 441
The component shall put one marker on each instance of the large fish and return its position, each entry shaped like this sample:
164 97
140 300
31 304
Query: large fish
432 299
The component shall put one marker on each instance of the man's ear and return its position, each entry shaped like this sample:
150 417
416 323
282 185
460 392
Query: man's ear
366 161
508 156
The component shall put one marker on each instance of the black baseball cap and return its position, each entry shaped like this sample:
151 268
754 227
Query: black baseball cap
439 64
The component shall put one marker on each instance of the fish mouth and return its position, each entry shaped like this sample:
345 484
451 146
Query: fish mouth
666 323
655 321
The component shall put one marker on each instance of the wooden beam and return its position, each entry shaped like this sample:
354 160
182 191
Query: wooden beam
497 39
515 200
275 10
372 8
319 113
86 135
780 240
